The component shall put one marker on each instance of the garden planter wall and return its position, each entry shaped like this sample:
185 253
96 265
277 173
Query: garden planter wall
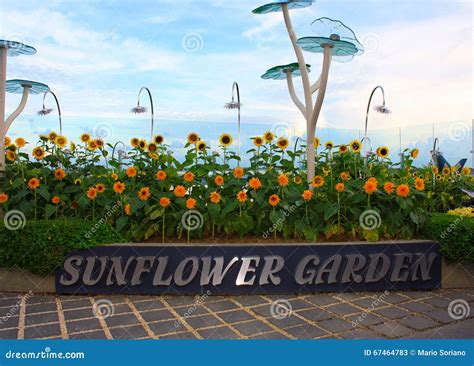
251 268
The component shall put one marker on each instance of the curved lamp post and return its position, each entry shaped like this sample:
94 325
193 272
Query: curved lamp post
24 87
236 105
45 111
335 41
121 153
379 108
140 109
12 49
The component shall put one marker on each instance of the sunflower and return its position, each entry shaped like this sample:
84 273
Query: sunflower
255 183
159 139
60 141
153 156
225 139
317 142
59 174
92 145
414 153
326 171
356 146
258 141
370 186
127 209
7 141
188 177
383 152
142 144
340 187
119 187
219 180
135 142
152 147
283 143
307 195
419 184
180 191
20 142
435 170
3 197
389 187
161 175
242 196
344 176
466 171
11 155
131 171
72 146
164 202
239 172
283 180
329 145
318 181
268 136
144 194
100 188
343 149
114 176
193 138
91 193
274 200
191 203
99 143
438 176
215 197
55 200
77 182
201 146
403 190
52 136
33 183
85 137
298 180
446 170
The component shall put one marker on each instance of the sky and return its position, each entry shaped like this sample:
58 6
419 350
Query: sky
96 54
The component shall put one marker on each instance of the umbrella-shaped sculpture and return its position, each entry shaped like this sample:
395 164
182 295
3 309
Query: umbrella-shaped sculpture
287 72
379 108
235 104
24 87
7 48
45 111
138 109
335 41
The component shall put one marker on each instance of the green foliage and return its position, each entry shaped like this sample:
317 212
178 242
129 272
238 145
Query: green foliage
456 235
41 246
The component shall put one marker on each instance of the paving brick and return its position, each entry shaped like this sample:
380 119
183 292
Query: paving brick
252 327
36 319
270 335
392 312
416 306
40 308
149 305
203 321
187 311
133 332
343 309
42 331
418 322
222 306
440 315
306 331
218 333
316 314
182 335
98 334
391 329
251 300
83 325
9 333
235 316
121 320
335 325
286 322
364 319
360 334
167 326
155 315
322 300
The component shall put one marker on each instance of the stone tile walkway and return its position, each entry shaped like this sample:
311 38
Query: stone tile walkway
433 314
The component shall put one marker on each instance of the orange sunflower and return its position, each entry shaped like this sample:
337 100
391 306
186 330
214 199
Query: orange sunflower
188 177
255 183
180 191
161 175
274 200
419 184
370 186
215 197
307 195
164 202
3 197
55 200
33 183
91 193
219 180
100 188
283 180
144 194
127 209
318 181
190 203
403 190
239 172
131 171
242 196
389 187
340 187
119 187
59 174
345 176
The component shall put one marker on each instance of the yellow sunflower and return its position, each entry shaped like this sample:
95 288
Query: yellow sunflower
10 155
142 144
159 139
258 141
134 142
383 152
201 146
446 170
268 136
38 153
356 146
20 142
193 138
283 143
317 142
225 139
52 136
85 137
466 171
329 145
60 141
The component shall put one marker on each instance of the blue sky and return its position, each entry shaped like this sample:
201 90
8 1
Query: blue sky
97 54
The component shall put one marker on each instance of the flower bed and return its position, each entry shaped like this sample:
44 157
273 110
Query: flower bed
208 195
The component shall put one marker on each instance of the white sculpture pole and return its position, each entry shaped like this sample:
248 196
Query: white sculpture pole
3 77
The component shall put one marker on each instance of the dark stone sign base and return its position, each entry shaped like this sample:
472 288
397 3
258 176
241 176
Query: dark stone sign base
251 268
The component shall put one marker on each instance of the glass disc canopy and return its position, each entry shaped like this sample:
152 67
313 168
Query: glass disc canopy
342 40
16 86
279 72
276 6
16 48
